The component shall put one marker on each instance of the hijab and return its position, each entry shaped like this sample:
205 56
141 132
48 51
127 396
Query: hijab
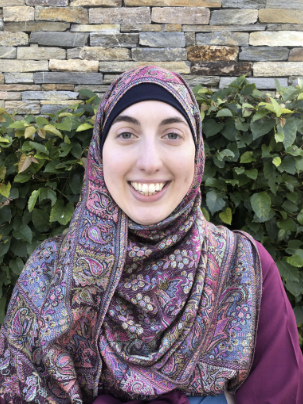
133 310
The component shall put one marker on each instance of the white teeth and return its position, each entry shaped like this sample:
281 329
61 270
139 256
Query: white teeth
151 189
148 189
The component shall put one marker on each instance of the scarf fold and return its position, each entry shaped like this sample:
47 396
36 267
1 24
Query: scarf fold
133 310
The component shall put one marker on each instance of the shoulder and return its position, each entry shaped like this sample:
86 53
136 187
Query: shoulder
38 270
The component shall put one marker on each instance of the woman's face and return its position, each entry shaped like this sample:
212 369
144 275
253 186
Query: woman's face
148 160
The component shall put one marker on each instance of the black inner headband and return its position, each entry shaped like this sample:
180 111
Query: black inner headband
143 92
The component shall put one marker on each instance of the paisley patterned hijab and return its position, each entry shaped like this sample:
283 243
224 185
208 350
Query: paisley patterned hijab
128 309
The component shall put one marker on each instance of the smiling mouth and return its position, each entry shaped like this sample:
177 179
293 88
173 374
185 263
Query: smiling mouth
148 189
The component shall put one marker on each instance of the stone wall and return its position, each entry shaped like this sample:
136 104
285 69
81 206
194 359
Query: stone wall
51 48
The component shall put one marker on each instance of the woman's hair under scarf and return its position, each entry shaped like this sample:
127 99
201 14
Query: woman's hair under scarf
133 310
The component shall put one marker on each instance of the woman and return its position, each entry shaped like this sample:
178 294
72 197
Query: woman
143 299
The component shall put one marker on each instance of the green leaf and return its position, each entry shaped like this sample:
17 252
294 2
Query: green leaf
61 213
290 131
23 233
229 131
211 127
261 127
253 173
295 260
205 214
298 310
18 125
84 126
224 112
2 308
47 193
247 157
276 161
75 183
65 125
40 121
279 137
5 189
54 131
22 178
226 216
39 147
41 220
300 217
295 288
214 201
16 265
5 214
225 154
260 114
261 204
288 164
87 93
32 200
287 224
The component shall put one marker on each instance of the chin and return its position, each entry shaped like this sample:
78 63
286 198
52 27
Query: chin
147 220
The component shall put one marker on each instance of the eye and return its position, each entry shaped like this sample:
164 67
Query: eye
125 135
172 136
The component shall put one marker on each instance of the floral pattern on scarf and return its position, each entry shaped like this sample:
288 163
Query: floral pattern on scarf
133 310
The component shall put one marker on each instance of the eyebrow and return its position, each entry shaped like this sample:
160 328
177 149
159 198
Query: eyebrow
130 119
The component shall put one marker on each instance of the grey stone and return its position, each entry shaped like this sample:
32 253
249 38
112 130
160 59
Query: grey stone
159 54
206 81
68 78
30 26
222 68
293 4
275 69
46 95
261 83
162 39
1 25
180 15
223 38
19 78
109 78
52 108
263 53
124 15
141 28
110 41
190 39
59 3
8 52
284 27
22 107
293 80
96 88
222 28
99 53
278 38
119 67
39 52
68 39
255 4
233 17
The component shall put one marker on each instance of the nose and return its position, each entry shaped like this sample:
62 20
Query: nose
150 159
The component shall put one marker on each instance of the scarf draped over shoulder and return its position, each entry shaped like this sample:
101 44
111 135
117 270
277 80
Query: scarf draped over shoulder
133 310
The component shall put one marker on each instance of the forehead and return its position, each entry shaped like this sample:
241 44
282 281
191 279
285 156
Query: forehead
157 108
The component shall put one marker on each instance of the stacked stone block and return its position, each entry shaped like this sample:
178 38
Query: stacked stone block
49 49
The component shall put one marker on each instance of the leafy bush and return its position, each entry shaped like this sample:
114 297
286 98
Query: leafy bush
252 181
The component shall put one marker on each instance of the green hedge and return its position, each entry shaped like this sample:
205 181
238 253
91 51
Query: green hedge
253 176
